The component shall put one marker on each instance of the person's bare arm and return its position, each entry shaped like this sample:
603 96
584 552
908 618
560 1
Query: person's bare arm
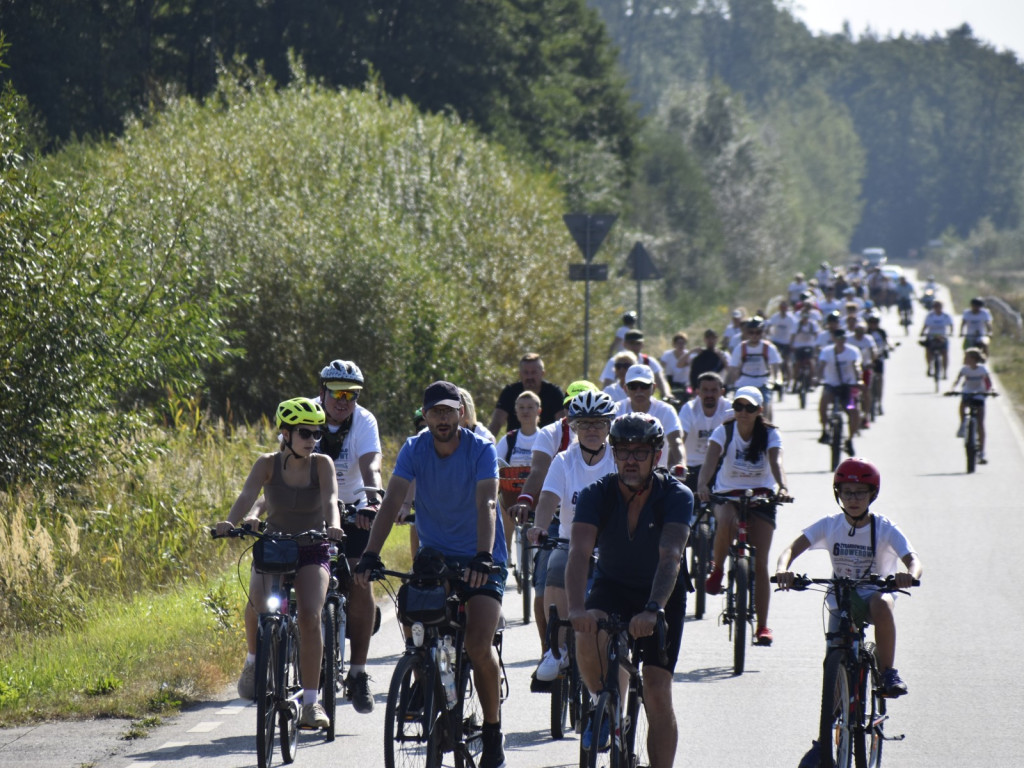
498 420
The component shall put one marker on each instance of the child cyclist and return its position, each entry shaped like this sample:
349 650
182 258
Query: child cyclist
977 380
860 542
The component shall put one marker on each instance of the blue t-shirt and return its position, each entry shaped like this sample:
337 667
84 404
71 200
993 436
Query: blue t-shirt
446 492
633 561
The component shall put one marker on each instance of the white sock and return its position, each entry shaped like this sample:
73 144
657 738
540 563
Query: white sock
356 669
309 696
250 658
593 698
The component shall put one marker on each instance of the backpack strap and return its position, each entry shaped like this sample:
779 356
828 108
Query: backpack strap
510 444
730 427
566 435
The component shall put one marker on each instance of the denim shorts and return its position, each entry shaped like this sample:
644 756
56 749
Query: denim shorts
495 586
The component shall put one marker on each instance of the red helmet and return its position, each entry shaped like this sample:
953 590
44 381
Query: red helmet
857 470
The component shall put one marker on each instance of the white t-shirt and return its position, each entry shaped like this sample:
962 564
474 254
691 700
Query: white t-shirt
663 412
976 323
620 336
828 306
568 475
608 374
522 451
795 289
754 366
781 327
866 345
678 371
738 474
362 438
841 368
805 334
482 431
974 378
940 324
615 391
698 426
549 438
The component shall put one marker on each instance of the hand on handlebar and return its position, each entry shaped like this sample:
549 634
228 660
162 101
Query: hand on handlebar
368 563
643 624
784 580
536 535
479 570
520 513
335 533
903 580
366 516
583 622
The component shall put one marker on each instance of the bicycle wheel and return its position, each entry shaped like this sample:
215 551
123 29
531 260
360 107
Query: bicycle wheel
836 441
560 694
290 692
412 728
527 569
877 716
469 716
971 444
635 730
266 682
700 554
937 369
876 396
329 664
802 385
578 695
837 706
517 548
741 601
602 718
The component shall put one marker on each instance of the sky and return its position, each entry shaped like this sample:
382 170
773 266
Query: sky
1000 23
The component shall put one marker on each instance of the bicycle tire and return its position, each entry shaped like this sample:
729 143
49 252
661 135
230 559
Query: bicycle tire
837 708
876 396
836 441
527 568
560 697
517 569
289 687
741 603
937 358
595 757
578 693
635 730
876 718
266 672
971 444
329 665
411 739
802 385
469 717
701 558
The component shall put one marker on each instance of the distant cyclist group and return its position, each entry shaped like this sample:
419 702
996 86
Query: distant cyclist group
599 485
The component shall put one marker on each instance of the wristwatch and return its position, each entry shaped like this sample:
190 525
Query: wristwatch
653 607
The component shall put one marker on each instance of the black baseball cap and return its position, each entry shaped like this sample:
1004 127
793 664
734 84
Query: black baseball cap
441 393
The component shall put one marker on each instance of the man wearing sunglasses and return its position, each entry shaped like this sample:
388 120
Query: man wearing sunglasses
639 521
640 391
352 441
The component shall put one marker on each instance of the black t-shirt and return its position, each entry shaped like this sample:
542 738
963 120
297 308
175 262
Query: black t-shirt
704 361
633 562
551 397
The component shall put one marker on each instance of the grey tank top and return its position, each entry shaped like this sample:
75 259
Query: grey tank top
293 509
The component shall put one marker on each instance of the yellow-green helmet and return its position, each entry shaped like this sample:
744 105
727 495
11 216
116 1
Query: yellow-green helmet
299 410
582 385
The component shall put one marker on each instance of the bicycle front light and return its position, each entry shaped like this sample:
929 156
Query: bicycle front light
273 603
417 634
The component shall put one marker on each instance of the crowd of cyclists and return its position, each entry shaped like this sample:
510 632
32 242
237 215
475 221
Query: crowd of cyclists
614 470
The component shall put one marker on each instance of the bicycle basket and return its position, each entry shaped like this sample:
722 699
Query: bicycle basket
512 479
275 555
425 602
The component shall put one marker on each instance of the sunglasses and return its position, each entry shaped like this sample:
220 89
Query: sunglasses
305 434
740 405
348 395
858 495
638 385
623 365
591 426
638 454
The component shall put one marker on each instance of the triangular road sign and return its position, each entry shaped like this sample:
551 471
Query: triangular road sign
589 230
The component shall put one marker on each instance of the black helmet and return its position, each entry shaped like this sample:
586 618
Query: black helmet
977 301
755 323
637 427
629 318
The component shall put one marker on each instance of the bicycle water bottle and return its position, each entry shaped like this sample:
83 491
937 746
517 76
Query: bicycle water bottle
446 663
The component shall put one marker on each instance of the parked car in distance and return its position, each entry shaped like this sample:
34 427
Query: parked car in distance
875 257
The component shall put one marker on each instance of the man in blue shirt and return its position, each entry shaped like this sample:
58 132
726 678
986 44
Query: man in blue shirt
456 476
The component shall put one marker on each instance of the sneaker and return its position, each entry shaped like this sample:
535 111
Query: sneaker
892 686
848 446
493 753
247 682
587 741
764 636
816 757
962 431
823 439
313 716
982 459
550 667
358 687
713 585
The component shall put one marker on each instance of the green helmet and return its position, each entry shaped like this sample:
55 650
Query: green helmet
582 385
299 410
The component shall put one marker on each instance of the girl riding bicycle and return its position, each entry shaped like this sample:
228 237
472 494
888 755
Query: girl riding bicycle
300 490
976 378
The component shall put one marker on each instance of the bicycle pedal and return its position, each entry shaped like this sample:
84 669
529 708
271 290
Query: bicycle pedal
901 737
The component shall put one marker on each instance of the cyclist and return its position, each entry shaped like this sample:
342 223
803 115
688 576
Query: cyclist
863 341
352 441
755 363
584 462
976 378
621 363
469 416
751 458
796 287
830 303
734 331
935 332
804 337
781 328
635 344
883 347
516 448
824 275
301 491
698 419
976 325
629 320
860 542
676 362
456 475
531 376
839 371
707 359
640 388
639 520
904 290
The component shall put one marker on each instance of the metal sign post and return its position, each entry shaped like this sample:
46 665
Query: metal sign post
589 231
639 264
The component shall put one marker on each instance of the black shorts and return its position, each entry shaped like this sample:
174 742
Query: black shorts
356 540
612 597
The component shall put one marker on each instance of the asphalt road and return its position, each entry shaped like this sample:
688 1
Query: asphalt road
957 645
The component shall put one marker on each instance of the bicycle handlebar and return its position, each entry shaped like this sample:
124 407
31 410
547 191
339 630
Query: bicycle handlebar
239 533
952 392
761 498
802 582
613 625
380 573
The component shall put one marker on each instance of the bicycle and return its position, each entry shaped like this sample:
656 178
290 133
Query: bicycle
936 346
740 611
702 538
511 480
278 688
972 439
568 693
433 707
906 307
803 381
627 726
834 425
853 709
